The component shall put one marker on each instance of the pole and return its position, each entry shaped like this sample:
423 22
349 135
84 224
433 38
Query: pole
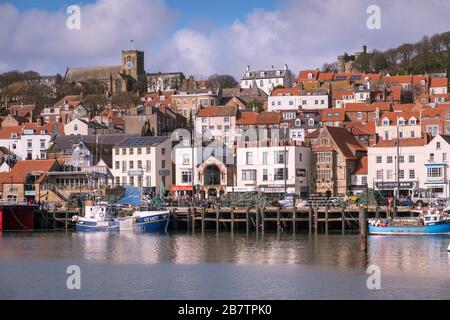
285 161
397 195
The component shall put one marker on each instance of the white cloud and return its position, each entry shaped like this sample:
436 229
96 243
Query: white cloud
40 40
301 33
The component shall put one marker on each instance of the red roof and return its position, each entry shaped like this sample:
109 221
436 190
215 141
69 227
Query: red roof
217 111
333 115
406 79
337 94
22 168
347 143
303 75
326 76
263 118
439 82
405 142
286 92
361 166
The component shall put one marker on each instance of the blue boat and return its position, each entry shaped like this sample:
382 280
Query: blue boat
151 221
97 217
433 223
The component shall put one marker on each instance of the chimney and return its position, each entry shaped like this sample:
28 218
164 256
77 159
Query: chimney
39 122
364 49
248 68
285 66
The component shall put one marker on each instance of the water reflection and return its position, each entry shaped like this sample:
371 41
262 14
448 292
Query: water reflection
424 255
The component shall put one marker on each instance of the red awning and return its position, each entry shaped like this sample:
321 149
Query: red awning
180 188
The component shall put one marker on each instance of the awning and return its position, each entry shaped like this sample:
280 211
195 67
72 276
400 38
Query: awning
131 197
180 188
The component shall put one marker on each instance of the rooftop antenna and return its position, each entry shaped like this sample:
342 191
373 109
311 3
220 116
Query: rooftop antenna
131 44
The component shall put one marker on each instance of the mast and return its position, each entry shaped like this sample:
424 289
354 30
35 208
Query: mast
285 161
397 196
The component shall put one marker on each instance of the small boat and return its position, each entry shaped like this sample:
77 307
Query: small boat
433 222
97 217
151 221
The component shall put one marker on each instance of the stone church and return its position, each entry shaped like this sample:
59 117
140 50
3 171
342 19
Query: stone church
115 78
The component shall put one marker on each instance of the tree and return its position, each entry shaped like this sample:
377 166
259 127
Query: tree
222 81
256 105
330 67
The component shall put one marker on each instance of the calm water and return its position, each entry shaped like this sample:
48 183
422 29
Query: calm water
183 266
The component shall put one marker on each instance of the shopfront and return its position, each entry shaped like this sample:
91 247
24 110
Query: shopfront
389 189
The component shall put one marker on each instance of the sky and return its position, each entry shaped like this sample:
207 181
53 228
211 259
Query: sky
203 37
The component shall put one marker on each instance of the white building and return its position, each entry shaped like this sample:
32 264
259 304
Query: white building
294 99
218 123
27 142
143 162
406 124
267 79
272 169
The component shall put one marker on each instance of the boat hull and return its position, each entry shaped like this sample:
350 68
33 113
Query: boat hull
439 228
152 223
88 226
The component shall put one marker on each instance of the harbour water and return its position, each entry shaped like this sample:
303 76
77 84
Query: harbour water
223 266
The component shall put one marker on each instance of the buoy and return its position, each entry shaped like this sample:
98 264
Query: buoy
448 249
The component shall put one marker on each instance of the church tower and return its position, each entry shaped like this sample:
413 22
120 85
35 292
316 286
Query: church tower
133 63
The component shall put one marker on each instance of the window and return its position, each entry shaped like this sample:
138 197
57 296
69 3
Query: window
124 181
386 135
116 152
43 155
433 130
264 156
389 175
434 172
163 151
412 174
148 165
139 164
323 175
186 176
29 143
124 151
42 144
385 122
227 119
401 174
379 159
311 122
227 129
364 180
131 165
248 175
324 157
75 127
431 157
148 181
413 134
147 150
124 166
280 173
132 181
444 157
249 158
131 151
265 175
139 150
379 174
412 159
401 159
389 159
186 159
280 157
412 121
163 164
117 165
438 145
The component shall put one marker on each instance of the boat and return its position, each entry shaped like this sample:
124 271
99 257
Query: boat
97 217
151 221
434 222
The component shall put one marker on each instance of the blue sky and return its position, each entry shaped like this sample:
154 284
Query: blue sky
202 37
191 12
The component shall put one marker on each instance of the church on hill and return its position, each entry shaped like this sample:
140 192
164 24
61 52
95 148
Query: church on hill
116 79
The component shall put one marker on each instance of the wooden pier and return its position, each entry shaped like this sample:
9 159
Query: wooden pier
314 220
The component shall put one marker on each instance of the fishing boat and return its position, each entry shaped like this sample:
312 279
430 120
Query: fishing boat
151 221
434 222
97 217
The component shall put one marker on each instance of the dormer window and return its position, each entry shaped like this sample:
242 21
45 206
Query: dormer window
385 122
311 122
14 135
401 122
263 73
412 121
43 132
310 76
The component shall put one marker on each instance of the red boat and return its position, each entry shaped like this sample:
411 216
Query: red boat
18 216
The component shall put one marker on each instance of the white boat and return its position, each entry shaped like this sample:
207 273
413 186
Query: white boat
97 217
